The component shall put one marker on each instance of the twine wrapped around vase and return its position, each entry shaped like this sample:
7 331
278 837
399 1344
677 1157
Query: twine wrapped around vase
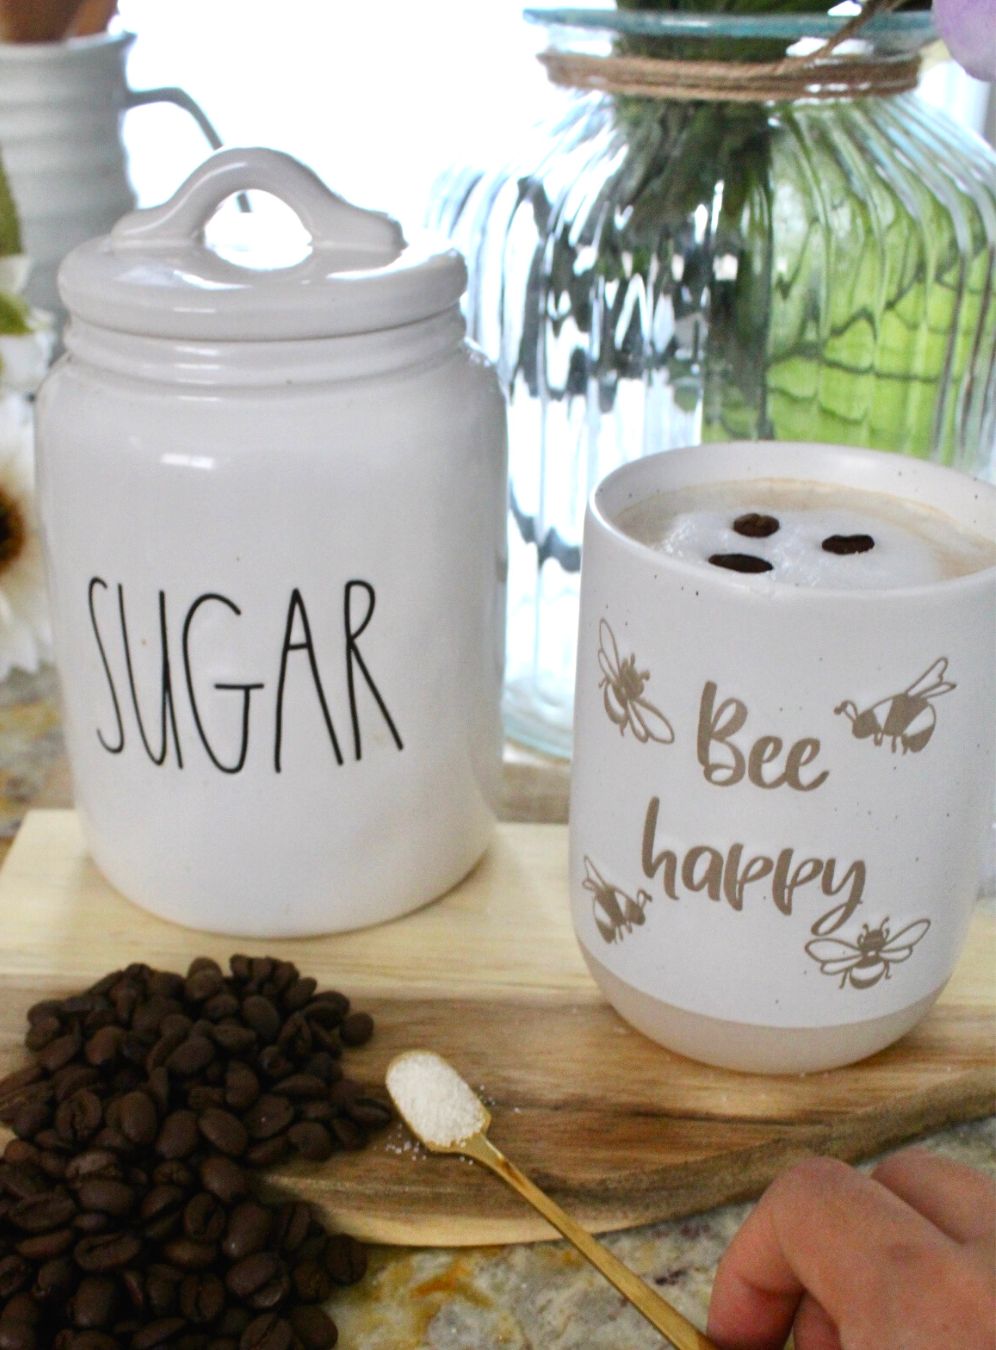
823 73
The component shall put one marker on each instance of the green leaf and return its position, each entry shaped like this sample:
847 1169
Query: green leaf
10 230
14 316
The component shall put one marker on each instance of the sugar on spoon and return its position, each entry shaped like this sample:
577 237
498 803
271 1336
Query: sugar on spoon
447 1116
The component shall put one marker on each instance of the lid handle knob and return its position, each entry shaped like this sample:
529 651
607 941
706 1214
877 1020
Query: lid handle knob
332 222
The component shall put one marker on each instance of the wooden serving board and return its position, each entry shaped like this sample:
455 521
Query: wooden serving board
619 1130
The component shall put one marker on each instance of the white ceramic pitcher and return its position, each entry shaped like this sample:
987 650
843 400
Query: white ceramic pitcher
61 108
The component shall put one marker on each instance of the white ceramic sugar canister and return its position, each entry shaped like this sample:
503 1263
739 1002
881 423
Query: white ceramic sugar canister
272 504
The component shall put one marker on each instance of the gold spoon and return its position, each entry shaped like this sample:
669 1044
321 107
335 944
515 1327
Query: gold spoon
445 1114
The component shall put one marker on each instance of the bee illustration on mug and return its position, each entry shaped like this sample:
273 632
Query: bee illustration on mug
615 912
905 719
869 958
623 685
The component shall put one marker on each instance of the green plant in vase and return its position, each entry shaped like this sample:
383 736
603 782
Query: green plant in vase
744 224
835 298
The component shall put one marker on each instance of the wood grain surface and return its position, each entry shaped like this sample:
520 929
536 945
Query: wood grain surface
620 1131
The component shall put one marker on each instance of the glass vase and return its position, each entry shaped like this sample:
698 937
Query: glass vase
650 273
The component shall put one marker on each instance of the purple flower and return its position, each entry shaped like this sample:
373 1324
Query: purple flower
969 29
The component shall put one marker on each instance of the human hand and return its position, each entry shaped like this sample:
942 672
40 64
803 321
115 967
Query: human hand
904 1259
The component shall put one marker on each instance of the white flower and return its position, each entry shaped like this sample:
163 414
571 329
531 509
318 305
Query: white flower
14 271
24 359
25 634
27 335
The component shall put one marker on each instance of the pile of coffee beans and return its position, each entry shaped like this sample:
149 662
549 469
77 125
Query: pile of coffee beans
128 1215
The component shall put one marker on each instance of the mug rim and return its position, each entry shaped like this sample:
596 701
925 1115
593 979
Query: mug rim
66 48
866 466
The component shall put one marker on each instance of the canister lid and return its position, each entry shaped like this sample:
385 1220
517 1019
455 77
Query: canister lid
154 275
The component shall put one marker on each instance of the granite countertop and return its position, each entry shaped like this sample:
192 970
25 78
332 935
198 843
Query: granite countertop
543 1295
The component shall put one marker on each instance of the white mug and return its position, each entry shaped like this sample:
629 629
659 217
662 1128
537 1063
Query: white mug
781 796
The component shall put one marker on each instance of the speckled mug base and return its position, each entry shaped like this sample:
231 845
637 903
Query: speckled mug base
754 1049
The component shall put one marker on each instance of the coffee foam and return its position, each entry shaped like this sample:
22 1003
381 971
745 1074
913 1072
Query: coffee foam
913 545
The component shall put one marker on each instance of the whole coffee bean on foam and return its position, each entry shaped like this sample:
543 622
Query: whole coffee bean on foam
128 1216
